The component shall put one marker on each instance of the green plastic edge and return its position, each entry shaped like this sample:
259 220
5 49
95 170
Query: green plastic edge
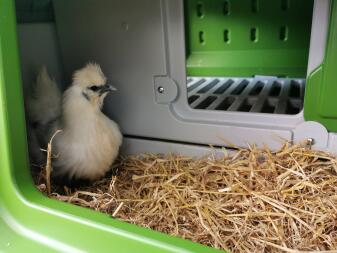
321 88
240 56
31 222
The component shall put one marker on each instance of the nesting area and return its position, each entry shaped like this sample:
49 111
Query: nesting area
253 200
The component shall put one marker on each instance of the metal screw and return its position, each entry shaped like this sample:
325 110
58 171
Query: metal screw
310 142
160 89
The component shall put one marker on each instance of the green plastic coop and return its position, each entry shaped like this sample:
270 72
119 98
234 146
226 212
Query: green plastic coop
187 72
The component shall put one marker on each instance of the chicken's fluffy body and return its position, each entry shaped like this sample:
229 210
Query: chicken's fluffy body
89 141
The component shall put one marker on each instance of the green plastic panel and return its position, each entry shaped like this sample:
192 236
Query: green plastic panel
31 222
248 37
320 99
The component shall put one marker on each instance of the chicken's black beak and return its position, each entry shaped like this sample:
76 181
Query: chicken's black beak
106 88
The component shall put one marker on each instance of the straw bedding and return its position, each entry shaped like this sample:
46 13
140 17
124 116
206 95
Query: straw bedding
251 201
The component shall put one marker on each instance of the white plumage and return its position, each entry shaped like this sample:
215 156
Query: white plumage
89 141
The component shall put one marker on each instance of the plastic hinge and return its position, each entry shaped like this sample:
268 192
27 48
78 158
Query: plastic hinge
314 131
165 89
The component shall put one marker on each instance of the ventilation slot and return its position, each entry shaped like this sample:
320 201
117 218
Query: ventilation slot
225 104
195 85
200 10
284 33
208 86
295 90
245 106
226 36
224 87
257 89
191 99
201 37
253 34
268 107
275 89
226 7
240 88
293 107
206 102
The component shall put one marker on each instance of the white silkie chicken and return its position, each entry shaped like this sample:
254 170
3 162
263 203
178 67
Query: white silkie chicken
89 141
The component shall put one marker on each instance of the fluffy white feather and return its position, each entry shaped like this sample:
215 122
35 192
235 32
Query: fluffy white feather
89 141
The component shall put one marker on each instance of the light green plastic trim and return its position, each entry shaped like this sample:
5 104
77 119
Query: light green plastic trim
321 91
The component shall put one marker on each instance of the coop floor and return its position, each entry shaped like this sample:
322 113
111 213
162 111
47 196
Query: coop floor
234 202
258 94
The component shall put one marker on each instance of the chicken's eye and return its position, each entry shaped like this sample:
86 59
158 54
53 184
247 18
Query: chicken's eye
94 88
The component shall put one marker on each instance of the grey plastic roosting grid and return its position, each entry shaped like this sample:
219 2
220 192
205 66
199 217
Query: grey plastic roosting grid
260 95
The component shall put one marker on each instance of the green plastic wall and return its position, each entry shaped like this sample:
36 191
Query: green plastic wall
31 222
247 37
320 102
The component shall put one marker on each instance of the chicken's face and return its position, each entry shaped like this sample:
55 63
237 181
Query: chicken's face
93 84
